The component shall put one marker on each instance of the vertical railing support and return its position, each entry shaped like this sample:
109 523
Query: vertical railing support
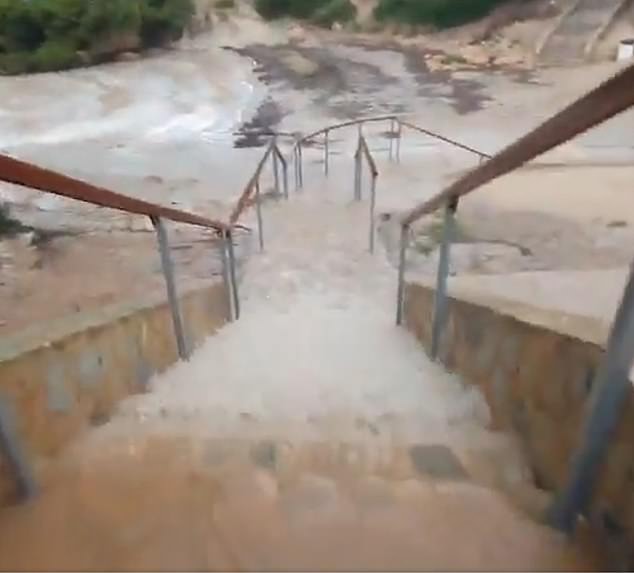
372 211
276 169
391 138
402 262
285 177
300 165
358 171
226 274
440 296
326 153
170 285
296 167
13 453
233 275
398 140
610 393
258 210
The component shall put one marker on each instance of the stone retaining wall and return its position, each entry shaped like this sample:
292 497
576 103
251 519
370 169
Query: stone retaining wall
61 377
535 368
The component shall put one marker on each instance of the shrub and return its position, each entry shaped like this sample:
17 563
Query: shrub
225 4
438 13
16 63
318 10
164 20
38 35
271 9
335 11
55 55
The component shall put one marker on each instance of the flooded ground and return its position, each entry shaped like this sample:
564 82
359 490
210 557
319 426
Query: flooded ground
351 450
182 504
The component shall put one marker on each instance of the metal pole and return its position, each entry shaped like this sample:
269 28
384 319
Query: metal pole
233 275
14 454
611 389
276 170
392 134
326 153
296 164
300 155
357 175
172 296
372 209
398 141
360 179
440 297
285 175
402 262
226 276
258 210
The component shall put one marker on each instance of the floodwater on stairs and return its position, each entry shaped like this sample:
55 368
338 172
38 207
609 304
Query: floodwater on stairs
310 434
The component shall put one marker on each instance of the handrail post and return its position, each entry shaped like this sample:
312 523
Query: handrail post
170 285
372 211
300 165
402 262
15 455
258 210
398 140
285 176
358 171
226 274
391 138
610 393
326 153
440 296
276 168
233 276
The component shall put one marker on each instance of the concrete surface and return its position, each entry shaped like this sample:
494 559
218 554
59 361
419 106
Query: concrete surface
61 380
536 367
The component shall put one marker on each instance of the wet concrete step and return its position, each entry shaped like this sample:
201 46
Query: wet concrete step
180 505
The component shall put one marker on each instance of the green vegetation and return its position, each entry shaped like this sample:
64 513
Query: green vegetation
47 35
321 12
225 4
437 13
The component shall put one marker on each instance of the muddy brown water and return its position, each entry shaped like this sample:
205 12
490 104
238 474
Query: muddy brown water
179 504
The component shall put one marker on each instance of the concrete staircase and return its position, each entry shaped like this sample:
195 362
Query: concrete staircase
312 434
572 40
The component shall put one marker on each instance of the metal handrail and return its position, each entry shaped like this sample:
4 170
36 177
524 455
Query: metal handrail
611 388
443 138
396 131
28 175
363 151
344 124
609 99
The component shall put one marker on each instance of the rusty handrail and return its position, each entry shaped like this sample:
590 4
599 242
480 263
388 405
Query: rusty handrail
609 99
245 196
443 138
28 175
398 119
365 150
345 124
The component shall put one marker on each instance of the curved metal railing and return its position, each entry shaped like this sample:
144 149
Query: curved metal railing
395 134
